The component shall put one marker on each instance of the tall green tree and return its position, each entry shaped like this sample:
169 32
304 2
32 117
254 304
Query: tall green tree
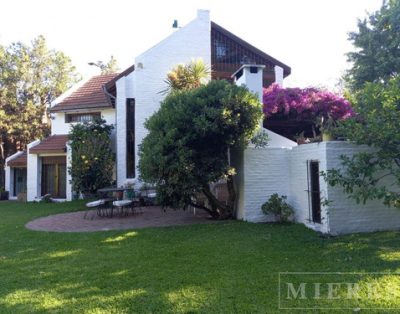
375 173
377 42
31 77
189 140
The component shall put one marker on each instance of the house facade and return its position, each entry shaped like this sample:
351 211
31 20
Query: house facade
127 99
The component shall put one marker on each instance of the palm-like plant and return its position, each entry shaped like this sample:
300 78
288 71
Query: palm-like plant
187 76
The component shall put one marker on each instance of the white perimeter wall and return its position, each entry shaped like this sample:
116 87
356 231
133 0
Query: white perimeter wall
345 215
298 183
284 171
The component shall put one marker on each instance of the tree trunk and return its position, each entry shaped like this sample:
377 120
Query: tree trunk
219 209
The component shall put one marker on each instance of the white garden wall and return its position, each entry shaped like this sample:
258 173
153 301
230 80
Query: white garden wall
298 195
284 171
345 215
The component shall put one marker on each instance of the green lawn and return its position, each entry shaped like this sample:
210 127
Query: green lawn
230 267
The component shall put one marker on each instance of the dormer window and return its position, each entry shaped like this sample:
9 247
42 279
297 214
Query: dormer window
82 117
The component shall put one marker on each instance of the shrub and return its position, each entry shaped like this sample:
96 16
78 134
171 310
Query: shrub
92 161
277 206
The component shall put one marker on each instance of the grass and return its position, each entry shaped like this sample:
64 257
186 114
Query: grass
230 267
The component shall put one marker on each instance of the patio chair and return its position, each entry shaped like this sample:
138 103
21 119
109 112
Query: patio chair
123 204
99 205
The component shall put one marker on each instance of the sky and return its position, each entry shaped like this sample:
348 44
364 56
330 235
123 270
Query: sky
311 36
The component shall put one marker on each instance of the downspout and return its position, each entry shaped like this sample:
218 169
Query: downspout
109 95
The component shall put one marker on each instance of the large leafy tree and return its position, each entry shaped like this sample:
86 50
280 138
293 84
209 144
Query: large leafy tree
31 76
375 173
377 43
375 84
189 141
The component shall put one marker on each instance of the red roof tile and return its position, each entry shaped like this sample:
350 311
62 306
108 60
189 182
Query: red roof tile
19 161
53 144
89 95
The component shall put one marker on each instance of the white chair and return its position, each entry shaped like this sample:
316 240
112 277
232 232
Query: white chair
123 204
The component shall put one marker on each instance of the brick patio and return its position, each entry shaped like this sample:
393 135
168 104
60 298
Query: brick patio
88 221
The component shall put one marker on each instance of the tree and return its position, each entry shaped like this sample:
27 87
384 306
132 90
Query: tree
377 43
187 76
92 160
110 67
189 141
31 77
374 174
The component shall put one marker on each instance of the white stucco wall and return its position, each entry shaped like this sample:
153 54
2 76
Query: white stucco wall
298 195
33 174
265 172
192 41
58 125
284 171
345 215
125 89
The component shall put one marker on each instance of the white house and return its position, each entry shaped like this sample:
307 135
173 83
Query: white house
127 99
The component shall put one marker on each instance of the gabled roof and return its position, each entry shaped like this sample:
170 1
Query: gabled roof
286 68
89 96
19 161
110 85
53 144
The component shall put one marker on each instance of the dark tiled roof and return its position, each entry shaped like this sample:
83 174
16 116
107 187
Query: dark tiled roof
89 95
53 144
19 161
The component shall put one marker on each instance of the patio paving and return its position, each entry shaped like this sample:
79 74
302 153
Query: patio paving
88 221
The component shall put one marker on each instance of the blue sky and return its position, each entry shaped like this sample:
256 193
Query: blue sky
308 35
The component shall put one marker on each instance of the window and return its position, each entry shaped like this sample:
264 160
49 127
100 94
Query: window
82 117
130 138
314 194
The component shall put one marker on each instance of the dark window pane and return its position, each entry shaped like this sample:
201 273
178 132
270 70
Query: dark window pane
82 117
130 138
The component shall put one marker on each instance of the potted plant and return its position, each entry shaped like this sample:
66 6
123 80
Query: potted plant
130 190
327 126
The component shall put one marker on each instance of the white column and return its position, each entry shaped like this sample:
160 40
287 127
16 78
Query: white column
68 184
8 183
33 174
278 75
120 106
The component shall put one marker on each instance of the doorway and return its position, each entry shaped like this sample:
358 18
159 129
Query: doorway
54 176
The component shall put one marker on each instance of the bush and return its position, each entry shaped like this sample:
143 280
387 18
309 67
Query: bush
277 206
92 161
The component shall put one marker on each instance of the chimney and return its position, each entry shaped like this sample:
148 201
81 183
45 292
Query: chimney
251 76
203 15
278 75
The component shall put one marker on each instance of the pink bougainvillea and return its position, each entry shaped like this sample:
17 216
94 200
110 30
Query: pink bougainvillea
305 104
